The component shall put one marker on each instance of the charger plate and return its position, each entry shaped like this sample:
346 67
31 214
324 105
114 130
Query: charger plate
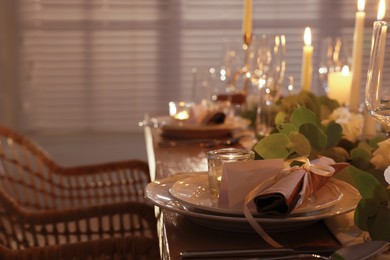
158 193
194 191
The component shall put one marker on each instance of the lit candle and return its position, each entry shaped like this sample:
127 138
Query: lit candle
182 115
358 39
180 111
247 22
339 85
307 62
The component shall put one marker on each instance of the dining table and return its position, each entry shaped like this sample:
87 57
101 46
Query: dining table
182 234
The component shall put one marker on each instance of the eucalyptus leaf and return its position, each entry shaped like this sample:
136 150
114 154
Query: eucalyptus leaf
280 118
369 187
273 146
286 128
310 101
315 135
302 116
334 133
365 210
299 143
379 226
372 213
360 158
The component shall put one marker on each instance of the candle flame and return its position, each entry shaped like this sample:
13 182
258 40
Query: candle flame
283 40
345 70
307 36
381 10
361 4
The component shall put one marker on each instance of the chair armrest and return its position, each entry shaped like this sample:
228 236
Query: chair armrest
113 167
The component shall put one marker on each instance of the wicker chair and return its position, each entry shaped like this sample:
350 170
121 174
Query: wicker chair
87 212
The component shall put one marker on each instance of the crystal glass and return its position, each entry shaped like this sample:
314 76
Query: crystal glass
267 60
335 53
377 94
267 66
228 76
203 82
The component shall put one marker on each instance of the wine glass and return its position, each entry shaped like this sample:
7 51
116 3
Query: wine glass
377 94
202 84
267 60
267 66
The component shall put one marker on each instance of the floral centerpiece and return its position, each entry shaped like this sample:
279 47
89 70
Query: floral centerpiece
311 127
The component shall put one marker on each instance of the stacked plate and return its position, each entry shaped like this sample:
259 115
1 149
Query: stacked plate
173 130
188 194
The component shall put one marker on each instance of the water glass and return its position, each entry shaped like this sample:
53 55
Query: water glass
216 159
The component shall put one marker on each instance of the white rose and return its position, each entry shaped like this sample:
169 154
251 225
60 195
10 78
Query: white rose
387 174
352 124
381 156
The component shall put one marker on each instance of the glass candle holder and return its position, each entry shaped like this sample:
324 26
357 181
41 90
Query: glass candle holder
216 159
180 111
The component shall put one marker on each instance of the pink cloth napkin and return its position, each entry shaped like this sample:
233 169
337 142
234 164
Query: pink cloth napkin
292 186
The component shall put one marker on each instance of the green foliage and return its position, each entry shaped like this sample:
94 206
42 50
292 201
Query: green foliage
315 135
279 144
373 211
302 135
299 132
334 133
322 106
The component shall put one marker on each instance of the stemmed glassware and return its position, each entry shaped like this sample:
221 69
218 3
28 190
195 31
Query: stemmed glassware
377 94
267 67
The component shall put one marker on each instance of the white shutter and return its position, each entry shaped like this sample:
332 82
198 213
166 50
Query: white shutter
101 64
89 65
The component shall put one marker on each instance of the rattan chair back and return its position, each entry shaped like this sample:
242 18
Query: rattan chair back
49 211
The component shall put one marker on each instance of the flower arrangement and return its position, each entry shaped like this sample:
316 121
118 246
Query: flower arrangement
311 127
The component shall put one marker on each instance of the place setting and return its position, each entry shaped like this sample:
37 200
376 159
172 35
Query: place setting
223 208
188 120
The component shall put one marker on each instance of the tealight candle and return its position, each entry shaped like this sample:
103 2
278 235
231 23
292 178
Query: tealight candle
307 61
339 85
180 111
357 53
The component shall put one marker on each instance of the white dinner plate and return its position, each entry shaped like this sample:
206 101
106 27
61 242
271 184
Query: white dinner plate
158 193
174 130
195 192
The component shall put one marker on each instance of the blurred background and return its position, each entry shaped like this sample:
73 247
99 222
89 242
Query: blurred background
78 75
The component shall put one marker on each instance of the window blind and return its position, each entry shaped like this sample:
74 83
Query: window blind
100 65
